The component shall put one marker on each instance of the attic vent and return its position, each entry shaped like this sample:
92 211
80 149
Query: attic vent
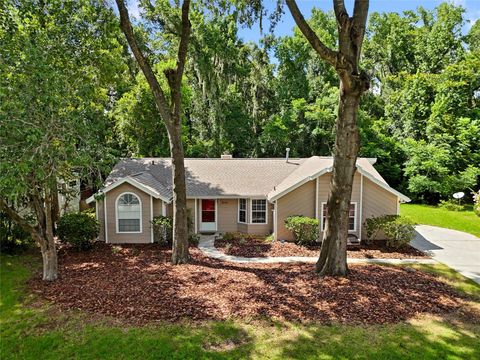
226 156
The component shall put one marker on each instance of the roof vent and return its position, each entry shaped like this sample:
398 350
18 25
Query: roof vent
288 154
226 156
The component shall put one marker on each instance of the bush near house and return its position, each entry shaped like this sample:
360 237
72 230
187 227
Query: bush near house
162 229
80 230
398 230
304 229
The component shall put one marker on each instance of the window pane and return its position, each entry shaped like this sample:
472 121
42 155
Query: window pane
242 216
129 225
258 217
128 213
208 216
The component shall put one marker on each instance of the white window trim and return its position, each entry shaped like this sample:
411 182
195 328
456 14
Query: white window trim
116 214
251 211
246 211
354 218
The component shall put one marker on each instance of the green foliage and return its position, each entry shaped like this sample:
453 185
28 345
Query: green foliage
12 237
398 230
229 236
304 229
79 230
451 205
476 203
162 229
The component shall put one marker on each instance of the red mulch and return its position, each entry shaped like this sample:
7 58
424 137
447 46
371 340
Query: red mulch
251 247
139 284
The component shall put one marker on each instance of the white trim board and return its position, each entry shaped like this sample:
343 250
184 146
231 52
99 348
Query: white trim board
134 183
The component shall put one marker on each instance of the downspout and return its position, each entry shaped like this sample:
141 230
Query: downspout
196 216
105 222
151 219
361 208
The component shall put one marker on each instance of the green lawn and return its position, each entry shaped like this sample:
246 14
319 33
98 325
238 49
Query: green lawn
32 331
431 215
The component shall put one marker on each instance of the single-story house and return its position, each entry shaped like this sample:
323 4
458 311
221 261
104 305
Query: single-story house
235 195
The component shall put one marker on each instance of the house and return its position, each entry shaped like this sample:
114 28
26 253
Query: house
228 195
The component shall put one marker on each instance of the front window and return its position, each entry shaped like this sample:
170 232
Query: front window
259 211
242 210
129 213
351 216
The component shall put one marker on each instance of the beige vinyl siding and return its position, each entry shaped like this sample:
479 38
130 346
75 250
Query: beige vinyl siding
227 215
377 202
324 191
157 207
113 236
300 201
261 229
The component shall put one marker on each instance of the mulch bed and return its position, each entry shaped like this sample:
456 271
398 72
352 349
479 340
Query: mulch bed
251 247
137 283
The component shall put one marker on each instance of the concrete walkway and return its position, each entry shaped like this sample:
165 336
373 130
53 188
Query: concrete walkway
456 249
206 245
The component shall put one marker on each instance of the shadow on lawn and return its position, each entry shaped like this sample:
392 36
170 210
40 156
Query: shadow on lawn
427 338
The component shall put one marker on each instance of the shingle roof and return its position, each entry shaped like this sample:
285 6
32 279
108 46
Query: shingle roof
232 177
209 177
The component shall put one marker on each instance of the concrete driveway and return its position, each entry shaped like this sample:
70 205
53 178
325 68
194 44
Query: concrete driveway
458 250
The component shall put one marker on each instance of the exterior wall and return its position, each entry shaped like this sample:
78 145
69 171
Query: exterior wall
300 201
157 207
227 215
259 229
117 238
324 190
377 202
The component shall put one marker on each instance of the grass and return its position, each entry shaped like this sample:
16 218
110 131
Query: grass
464 220
31 329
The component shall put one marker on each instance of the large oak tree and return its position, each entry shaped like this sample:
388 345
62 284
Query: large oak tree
170 111
353 83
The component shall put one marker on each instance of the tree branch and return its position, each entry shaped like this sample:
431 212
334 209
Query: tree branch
159 96
340 12
324 51
360 14
175 78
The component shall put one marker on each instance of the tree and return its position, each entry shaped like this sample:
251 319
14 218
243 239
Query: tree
353 83
57 72
171 114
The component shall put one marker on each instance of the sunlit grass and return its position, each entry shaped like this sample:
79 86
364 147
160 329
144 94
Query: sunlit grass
431 215
33 331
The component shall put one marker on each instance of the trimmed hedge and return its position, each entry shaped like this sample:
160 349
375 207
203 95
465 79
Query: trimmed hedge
398 230
80 230
304 229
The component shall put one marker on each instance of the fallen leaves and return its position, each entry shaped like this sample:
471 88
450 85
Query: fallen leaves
139 283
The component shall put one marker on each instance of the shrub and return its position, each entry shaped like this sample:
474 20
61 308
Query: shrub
476 202
229 236
80 230
398 230
304 229
12 237
193 239
450 205
162 229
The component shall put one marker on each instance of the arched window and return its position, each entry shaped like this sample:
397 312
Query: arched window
129 213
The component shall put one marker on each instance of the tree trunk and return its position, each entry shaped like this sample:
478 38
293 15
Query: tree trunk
180 254
333 254
50 263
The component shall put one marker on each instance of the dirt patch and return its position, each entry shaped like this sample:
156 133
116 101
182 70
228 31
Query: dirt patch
139 283
249 247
